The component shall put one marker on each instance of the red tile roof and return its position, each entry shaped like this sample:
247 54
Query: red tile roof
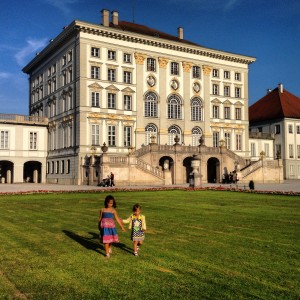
275 105
141 29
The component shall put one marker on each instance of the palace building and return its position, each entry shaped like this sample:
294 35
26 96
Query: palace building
151 107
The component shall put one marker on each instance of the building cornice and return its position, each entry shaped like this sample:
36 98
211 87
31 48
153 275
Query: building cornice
109 32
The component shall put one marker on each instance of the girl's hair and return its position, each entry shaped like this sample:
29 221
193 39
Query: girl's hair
107 199
136 207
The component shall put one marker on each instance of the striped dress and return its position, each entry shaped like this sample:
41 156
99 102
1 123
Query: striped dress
108 231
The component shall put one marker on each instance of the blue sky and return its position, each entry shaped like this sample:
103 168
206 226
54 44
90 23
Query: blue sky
266 29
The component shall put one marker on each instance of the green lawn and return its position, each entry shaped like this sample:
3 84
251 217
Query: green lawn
199 245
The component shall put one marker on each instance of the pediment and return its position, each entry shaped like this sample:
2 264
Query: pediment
95 86
112 88
216 101
128 90
238 103
227 102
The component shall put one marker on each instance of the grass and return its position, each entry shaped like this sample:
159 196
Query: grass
199 245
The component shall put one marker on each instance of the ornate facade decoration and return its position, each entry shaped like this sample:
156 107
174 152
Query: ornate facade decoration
139 58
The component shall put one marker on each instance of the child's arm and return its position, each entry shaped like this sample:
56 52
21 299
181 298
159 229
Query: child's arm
118 220
144 227
126 221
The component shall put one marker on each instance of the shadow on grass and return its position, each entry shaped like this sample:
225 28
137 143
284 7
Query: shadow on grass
93 243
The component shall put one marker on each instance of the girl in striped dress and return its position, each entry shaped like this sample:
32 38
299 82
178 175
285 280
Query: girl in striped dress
108 231
137 224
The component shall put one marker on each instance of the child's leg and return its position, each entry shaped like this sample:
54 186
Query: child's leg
135 243
106 246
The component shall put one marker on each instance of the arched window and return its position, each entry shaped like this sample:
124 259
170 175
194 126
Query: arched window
151 130
196 109
196 134
174 107
150 104
172 132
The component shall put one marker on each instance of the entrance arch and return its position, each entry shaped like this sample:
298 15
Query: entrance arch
6 171
187 163
32 172
167 163
213 170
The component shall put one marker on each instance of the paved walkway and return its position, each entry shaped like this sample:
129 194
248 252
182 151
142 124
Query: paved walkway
286 186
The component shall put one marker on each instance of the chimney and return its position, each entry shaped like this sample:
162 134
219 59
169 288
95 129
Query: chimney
105 17
115 17
180 33
280 88
269 91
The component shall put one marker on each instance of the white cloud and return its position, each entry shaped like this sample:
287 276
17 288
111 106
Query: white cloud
63 5
31 48
4 75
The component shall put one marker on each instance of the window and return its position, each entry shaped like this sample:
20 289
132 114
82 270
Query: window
277 129
65 78
238 142
68 166
226 75
174 68
238 113
151 64
70 56
298 152
53 71
215 88
150 105
226 112
215 73
62 170
298 129
95 72
196 71
151 130
95 99
291 151
33 140
111 135
64 60
127 76
95 52
173 131
52 167
4 139
215 112
127 58
278 150
237 76
111 55
57 167
227 140
292 170
196 109
196 135
290 128
48 167
127 102
174 107
95 134
111 100
111 74
127 136
227 91
216 139
253 150
237 92
267 149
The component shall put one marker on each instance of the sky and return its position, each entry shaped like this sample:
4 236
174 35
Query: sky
268 30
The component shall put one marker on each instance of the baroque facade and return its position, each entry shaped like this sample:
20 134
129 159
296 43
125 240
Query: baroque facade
121 83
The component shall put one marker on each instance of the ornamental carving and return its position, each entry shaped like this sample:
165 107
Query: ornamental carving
186 66
163 62
206 70
151 81
139 58
174 84
196 87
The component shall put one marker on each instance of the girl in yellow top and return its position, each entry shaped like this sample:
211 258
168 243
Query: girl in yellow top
137 224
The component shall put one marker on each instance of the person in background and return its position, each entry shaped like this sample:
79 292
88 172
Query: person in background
112 179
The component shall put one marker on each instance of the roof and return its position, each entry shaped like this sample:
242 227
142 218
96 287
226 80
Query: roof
144 30
275 105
